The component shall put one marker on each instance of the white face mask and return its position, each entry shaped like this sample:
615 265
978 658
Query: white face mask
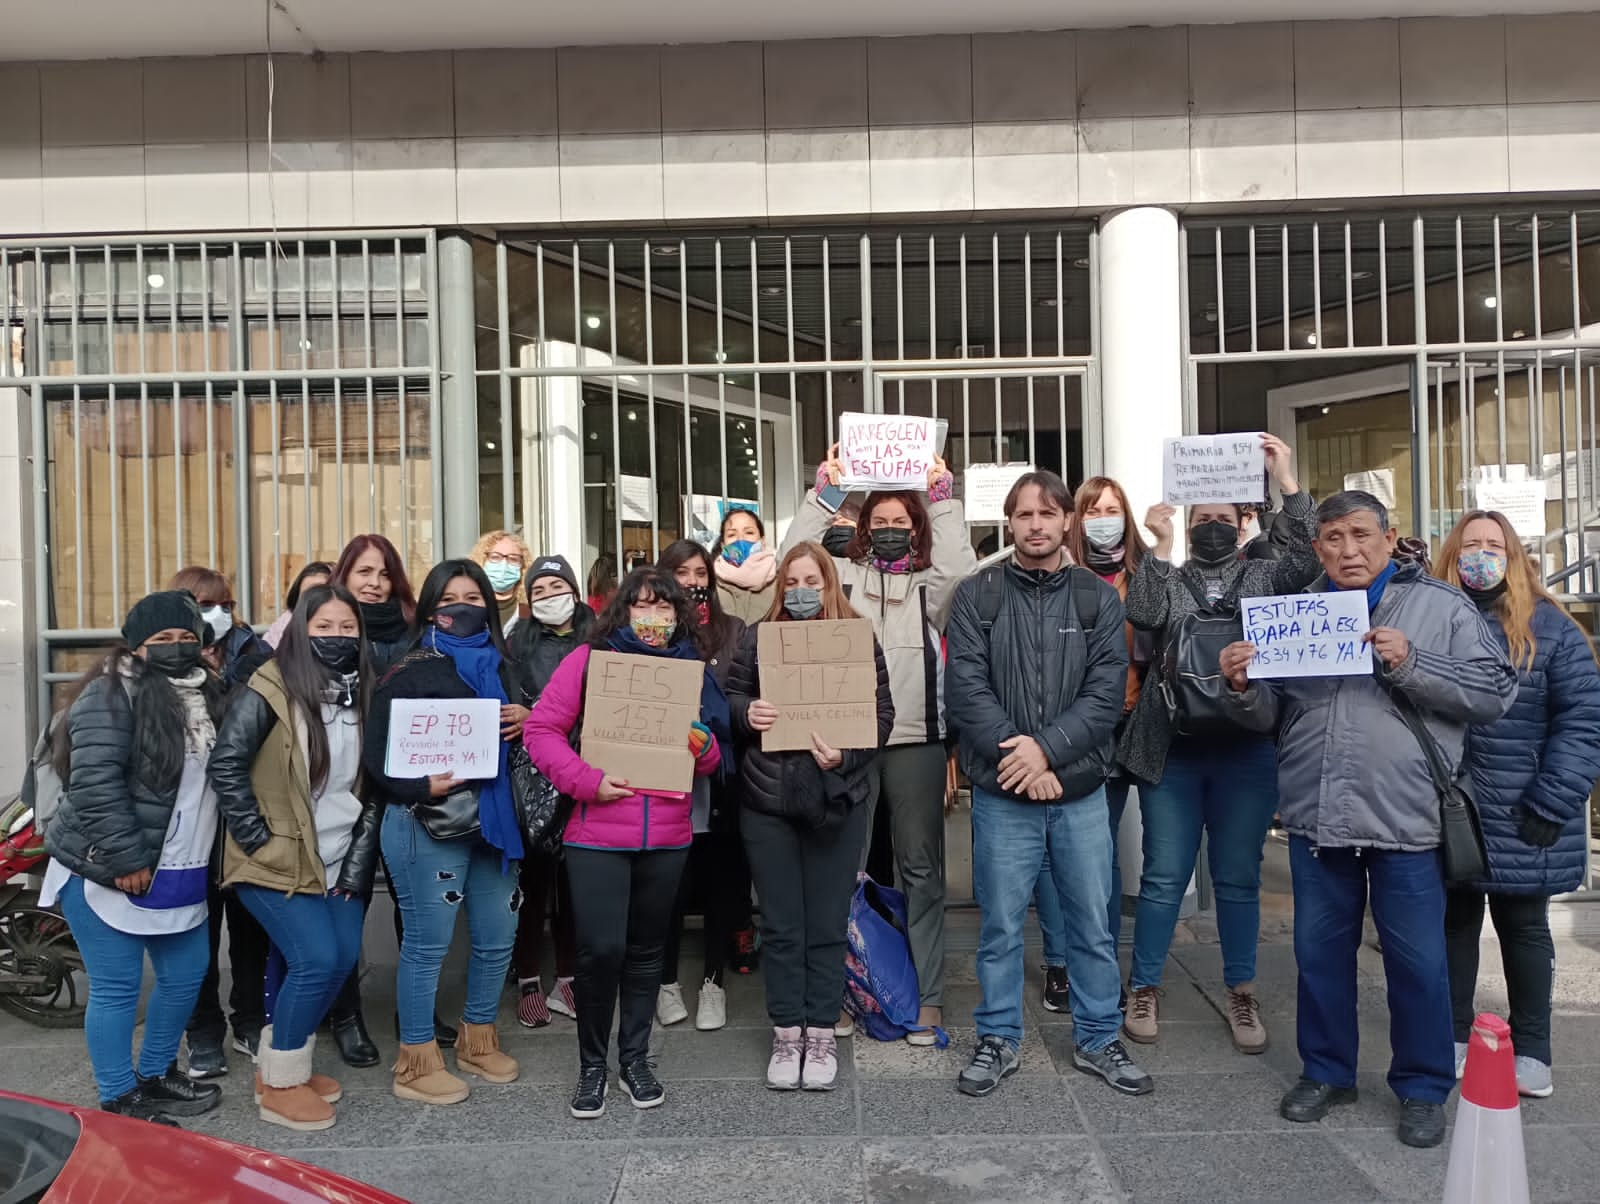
219 620
554 612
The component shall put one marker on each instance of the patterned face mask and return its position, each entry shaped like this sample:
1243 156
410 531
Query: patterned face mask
1481 570
654 631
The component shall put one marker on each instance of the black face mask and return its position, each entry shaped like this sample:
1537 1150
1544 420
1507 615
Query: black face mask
699 595
463 620
836 540
340 653
175 660
891 543
1214 543
385 621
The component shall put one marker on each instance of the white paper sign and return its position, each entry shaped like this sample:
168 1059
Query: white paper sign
443 735
985 488
1379 482
1308 635
885 451
1214 468
638 495
1520 501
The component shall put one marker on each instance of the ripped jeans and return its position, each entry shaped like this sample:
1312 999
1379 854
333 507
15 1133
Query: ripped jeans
433 880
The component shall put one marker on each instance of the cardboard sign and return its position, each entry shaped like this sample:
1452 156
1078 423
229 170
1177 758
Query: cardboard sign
1309 635
885 451
823 678
985 487
460 736
1214 468
636 716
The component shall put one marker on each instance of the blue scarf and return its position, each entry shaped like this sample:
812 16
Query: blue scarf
1379 583
713 702
477 663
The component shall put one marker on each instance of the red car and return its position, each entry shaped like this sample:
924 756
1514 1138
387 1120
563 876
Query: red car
53 1153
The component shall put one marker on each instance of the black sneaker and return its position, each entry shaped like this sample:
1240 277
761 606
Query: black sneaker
1115 1066
136 1105
247 1042
1056 993
179 1095
1421 1124
589 1100
640 1082
1308 1101
993 1062
207 1058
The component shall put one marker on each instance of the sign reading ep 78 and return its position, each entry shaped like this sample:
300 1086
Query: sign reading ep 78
1308 635
636 716
458 736
822 676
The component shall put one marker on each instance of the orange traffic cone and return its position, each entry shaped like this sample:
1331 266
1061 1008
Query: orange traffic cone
1487 1163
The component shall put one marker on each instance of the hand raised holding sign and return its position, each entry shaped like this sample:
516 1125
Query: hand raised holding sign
831 467
1159 520
1390 643
1235 664
937 471
1280 462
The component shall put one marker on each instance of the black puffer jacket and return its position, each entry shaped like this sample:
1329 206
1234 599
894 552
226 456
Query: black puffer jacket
111 822
535 651
1037 673
790 785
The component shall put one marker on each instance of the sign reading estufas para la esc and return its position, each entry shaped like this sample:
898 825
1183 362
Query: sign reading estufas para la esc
1308 635
886 451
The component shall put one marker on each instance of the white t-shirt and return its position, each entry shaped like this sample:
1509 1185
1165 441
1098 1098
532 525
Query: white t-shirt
176 900
335 807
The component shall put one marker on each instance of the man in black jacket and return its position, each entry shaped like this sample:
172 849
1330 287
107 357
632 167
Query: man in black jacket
1038 663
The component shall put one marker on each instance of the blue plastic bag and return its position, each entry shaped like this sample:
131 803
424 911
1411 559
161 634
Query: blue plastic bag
880 979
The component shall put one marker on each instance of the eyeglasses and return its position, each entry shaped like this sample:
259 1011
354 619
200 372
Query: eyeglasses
227 606
514 560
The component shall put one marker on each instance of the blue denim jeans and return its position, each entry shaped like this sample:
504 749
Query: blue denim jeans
1231 792
114 961
1010 840
1047 903
1331 890
317 941
433 879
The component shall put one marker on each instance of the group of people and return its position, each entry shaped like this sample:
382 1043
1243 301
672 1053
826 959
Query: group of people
213 776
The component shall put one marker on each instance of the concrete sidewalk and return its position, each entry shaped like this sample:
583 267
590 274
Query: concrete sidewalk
896 1129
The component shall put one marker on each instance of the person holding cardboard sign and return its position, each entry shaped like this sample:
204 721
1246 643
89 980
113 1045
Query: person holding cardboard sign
450 843
901 568
804 821
650 711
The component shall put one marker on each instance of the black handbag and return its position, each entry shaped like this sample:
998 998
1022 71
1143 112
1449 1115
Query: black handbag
542 810
1192 685
453 817
1461 844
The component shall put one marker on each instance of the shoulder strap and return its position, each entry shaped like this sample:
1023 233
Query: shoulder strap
988 598
1412 718
1085 602
847 586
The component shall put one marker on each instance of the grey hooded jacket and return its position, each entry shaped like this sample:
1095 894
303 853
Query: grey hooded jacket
1350 773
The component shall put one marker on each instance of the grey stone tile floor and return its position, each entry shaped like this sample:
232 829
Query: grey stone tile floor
896 1131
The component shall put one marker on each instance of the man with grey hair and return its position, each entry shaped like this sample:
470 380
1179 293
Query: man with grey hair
1362 814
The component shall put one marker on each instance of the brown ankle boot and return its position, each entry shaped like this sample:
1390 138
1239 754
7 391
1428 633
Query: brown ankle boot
287 1098
478 1052
419 1075
327 1089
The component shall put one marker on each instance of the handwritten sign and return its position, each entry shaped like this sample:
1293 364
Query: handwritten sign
460 736
636 716
1379 482
1522 502
1309 635
823 678
885 451
1214 468
986 487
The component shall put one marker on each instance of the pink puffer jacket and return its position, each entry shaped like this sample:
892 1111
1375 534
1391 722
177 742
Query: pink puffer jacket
641 821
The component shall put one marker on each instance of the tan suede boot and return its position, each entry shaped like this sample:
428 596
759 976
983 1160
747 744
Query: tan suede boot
287 1099
419 1075
478 1052
327 1088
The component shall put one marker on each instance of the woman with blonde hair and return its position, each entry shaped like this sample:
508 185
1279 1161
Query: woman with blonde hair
1532 773
804 823
505 557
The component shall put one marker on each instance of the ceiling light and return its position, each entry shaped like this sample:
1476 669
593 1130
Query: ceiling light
1210 315
633 416
155 279
664 249
592 321
1361 274
1491 302
1049 302
1325 409
853 323
1527 226
1311 339
488 446
771 290
1081 263
722 357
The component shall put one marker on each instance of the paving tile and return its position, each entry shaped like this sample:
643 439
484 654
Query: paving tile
1399 1172
552 1172
513 1113
1561 1164
978 1172
1377 1107
1184 1048
723 1109
365 1120
896 1059
52 1071
1021 1105
1241 1168
766 1174
1184 1103
730 1053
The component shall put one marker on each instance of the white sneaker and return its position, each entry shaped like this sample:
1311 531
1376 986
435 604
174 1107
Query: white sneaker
783 1069
845 1026
1461 1058
712 1012
822 1060
669 1004
1533 1079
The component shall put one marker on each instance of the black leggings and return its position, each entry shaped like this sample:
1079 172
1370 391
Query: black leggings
1522 922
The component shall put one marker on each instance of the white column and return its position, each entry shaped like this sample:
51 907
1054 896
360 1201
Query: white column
18 667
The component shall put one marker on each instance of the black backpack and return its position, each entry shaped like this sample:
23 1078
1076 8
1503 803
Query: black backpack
1085 601
1192 685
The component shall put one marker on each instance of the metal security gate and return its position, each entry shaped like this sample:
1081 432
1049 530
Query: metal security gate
660 379
233 401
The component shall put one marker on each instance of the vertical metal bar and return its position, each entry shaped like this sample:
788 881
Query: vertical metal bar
994 325
616 395
1254 320
899 309
211 408
1419 376
1061 350
463 360
1316 281
966 383
1283 275
688 396
116 502
1577 296
150 509
47 548
788 323
650 395
543 391
5 315
178 466
338 403
403 405
1349 292
372 402
1383 282
1461 287
1581 453
827 340
869 389
722 377
1222 312
1577 459
244 466
755 350
1467 405
502 279
305 410
1027 332
1439 412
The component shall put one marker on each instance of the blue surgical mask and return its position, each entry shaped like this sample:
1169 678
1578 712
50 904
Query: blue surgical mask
503 576
1106 532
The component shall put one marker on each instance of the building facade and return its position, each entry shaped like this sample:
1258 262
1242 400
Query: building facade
254 304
